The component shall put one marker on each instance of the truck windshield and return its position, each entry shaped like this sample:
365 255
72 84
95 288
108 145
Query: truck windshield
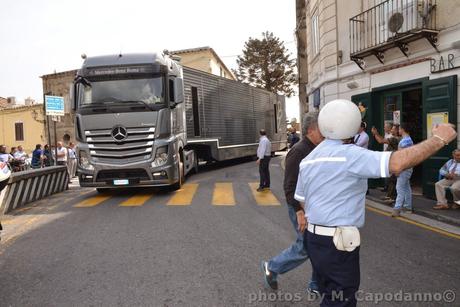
149 91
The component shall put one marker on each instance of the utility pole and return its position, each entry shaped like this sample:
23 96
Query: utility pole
302 57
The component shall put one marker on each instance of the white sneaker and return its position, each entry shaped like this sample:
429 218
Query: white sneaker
457 202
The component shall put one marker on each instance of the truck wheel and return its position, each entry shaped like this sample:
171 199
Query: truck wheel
103 190
196 164
179 183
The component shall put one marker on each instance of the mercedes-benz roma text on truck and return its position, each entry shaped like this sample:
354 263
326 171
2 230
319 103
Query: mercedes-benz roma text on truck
135 126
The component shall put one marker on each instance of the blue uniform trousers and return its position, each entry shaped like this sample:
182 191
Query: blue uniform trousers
337 271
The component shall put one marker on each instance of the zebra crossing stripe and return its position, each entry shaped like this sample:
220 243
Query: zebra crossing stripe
184 196
92 201
223 194
264 198
136 200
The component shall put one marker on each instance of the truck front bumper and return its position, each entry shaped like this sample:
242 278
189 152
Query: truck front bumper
134 176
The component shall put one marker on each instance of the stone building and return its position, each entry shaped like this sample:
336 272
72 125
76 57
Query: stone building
59 84
400 59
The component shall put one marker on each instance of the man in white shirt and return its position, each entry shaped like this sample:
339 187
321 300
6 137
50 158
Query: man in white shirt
61 154
387 128
72 162
362 138
20 154
263 159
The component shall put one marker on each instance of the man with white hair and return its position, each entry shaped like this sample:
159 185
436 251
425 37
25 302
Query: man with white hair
332 185
295 255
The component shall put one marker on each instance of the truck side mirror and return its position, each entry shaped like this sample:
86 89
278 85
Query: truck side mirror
73 96
178 90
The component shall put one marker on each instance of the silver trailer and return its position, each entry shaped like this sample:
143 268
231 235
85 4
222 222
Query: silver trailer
223 116
143 120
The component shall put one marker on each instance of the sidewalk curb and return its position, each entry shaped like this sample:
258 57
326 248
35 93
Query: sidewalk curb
425 213
452 229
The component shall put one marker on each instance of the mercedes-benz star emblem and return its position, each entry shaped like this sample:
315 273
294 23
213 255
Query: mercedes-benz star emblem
119 133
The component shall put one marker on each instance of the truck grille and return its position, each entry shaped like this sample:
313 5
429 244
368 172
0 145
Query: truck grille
131 174
137 144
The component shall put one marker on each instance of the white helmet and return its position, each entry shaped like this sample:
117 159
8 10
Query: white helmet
339 119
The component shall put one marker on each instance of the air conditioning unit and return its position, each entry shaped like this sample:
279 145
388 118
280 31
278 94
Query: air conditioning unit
404 17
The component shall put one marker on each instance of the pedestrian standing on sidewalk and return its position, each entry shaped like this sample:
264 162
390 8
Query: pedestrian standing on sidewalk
47 156
392 143
332 185
296 254
451 173
61 154
263 160
362 138
403 188
294 138
72 162
37 156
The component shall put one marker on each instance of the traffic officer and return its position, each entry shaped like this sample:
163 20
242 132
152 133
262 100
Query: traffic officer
332 184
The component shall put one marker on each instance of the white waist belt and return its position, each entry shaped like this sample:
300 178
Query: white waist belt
321 230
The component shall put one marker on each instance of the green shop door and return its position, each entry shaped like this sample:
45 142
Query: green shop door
439 104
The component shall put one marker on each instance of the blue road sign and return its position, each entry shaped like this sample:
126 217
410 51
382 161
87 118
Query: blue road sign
54 105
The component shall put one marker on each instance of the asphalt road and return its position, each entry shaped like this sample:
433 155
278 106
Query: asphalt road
199 247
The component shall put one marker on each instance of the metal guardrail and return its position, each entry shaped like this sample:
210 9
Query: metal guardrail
31 185
389 21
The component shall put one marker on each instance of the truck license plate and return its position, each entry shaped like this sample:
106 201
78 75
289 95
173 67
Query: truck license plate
121 182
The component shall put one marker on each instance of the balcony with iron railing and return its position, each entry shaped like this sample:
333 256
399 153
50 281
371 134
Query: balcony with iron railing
391 24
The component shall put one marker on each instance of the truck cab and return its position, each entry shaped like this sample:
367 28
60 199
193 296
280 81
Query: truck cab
130 122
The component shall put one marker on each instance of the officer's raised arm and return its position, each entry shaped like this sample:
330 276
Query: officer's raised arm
406 158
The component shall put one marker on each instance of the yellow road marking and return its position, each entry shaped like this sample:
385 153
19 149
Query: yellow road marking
136 200
264 198
92 201
437 230
184 196
223 194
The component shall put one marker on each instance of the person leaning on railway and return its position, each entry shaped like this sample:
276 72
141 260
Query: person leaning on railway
264 152
333 182
294 255
4 156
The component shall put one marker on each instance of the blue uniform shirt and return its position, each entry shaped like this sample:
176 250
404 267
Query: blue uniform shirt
333 182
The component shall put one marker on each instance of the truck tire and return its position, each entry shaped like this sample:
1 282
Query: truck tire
179 183
196 164
103 190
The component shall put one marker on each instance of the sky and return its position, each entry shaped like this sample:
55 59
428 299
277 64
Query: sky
41 37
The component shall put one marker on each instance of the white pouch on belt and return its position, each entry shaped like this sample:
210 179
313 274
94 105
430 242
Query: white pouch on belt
346 238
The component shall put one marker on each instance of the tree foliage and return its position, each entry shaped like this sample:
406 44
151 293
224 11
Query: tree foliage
265 63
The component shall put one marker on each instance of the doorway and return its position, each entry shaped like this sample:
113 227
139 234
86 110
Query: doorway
411 113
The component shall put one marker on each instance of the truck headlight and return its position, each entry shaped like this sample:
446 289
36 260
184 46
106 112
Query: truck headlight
84 161
161 156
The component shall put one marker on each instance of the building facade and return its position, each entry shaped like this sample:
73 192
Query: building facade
22 125
399 58
204 59
59 84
